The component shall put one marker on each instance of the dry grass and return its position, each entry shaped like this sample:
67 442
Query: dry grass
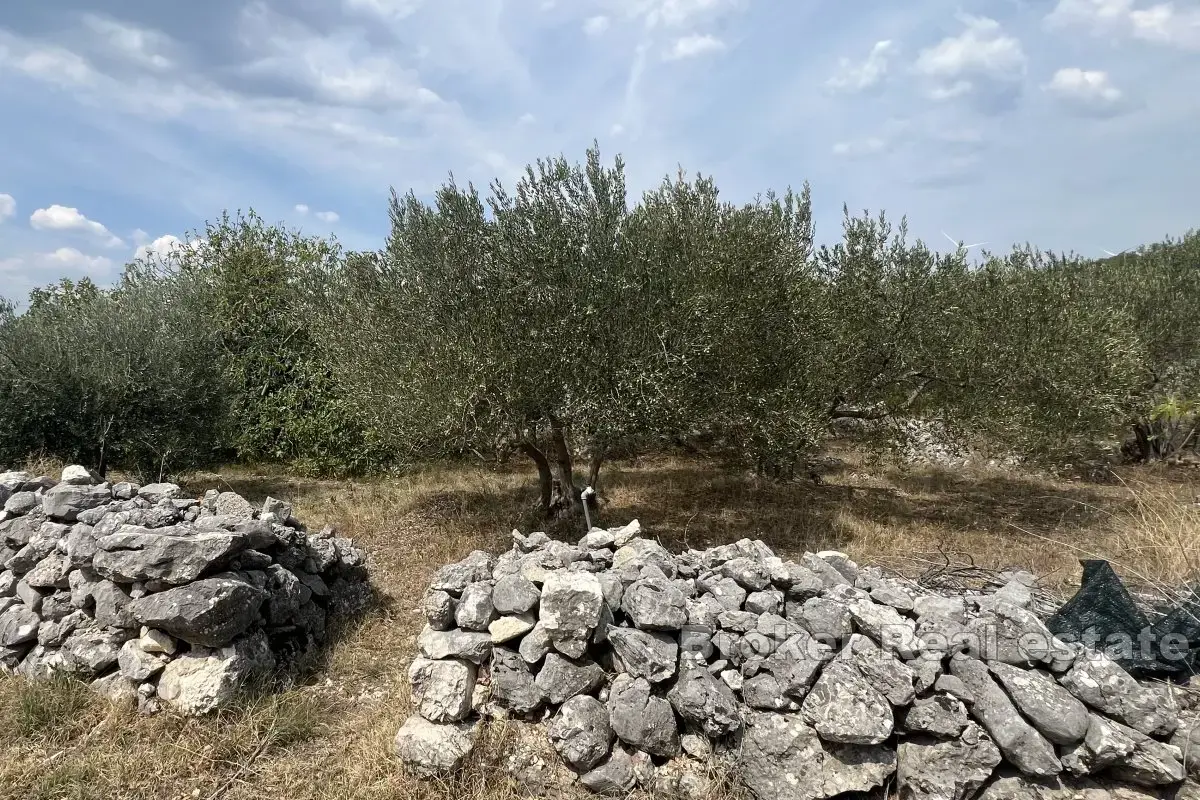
329 736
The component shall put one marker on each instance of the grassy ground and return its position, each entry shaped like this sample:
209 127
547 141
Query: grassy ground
330 736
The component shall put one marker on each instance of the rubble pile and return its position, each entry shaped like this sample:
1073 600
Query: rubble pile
158 599
621 664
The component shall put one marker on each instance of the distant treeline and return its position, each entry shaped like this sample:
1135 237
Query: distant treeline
558 320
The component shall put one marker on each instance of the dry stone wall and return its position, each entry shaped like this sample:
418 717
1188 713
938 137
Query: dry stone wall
624 665
158 599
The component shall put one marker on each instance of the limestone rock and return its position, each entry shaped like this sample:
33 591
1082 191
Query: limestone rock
431 749
442 689
1053 711
641 719
581 732
210 612
706 702
1101 683
928 769
782 758
1019 741
844 707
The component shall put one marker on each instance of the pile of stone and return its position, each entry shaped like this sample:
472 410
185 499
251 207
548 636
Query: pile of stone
801 679
157 599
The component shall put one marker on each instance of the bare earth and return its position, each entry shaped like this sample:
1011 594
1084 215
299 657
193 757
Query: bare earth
330 737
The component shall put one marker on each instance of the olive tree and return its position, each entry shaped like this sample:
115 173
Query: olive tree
130 376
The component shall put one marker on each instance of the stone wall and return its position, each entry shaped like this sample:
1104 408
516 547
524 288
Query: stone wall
160 599
632 666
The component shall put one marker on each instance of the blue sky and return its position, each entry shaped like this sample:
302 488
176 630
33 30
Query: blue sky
1070 124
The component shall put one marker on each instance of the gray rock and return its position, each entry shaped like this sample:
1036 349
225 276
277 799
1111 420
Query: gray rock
81 545
1021 744
765 602
1187 738
928 769
642 719
1049 707
174 555
926 672
513 684
138 665
886 627
954 687
750 573
1151 763
614 778
726 591
795 664
654 603
53 634
841 562
890 593
892 677
571 605
828 574
763 691
782 758
49 573
1017 636
435 750
209 612
561 678
843 707
706 702
8 583
112 606
154 492
467 645
638 553
936 605
737 621
580 732
19 503
941 715
1105 686
645 654
535 645
513 595
116 689
474 610
65 501
828 621
442 689
232 504
203 679
18 625
438 608
453 578
92 651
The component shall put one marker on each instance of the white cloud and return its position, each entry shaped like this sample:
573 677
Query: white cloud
852 77
981 53
1162 23
69 258
594 26
139 45
8 206
301 208
527 118
1086 91
66 218
51 64
327 216
332 67
693 46
164 246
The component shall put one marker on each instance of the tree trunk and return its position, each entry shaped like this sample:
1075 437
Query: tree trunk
545 476
1143 437
594 469
567 499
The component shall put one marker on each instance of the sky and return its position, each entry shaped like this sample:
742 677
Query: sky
1070 124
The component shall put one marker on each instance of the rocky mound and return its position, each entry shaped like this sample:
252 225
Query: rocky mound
803 679
156 598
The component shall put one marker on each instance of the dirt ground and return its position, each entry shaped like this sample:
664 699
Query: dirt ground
329 735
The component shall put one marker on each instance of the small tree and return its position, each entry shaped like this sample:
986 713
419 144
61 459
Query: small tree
128 377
